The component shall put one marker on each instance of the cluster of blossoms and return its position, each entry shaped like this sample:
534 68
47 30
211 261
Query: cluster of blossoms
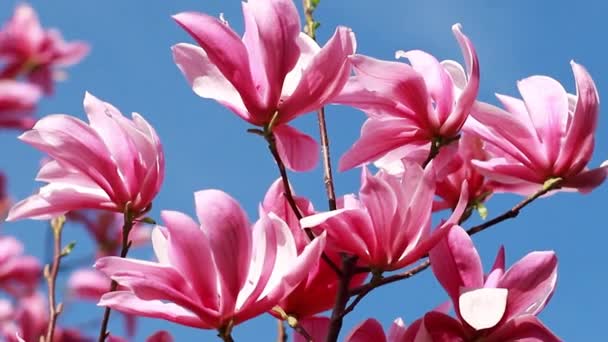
434 144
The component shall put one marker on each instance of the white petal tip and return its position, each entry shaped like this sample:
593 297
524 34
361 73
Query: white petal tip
483 308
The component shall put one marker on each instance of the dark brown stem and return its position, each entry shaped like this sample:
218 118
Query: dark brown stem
272 146
225 333
51 277
126 244
335 323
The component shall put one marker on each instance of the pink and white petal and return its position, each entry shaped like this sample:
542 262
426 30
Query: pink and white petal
308 50
128 303
397 332
76 144
483 308
348 230
547 104
585 115
226 51
277 23
298 151
104 119
316 326
378 137
368 330
323 78
524 328
438 83
456 263
467 98
58 198
505 171
160 245
189 251
88 284
531 282
72 53
207 80
226 226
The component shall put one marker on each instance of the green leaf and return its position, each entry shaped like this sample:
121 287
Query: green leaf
68 248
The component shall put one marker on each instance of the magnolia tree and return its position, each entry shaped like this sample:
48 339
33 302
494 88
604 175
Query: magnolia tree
435 150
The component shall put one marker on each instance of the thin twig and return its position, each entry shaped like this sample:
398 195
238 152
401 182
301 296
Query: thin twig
51 277
335 323
272 146
126 244
281 331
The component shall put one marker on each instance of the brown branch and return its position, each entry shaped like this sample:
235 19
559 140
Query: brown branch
272 146
335 323
129 220
281 333
51 276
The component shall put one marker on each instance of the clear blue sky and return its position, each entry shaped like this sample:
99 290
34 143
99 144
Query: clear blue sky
206 145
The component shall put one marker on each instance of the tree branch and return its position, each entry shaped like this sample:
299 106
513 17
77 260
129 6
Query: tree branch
51 275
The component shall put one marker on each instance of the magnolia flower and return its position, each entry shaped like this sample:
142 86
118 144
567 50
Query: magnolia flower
113 163
409 106
321 283
389 227
274 73
17 101
247 270
548 134
30 50
459 171
19 274
499 306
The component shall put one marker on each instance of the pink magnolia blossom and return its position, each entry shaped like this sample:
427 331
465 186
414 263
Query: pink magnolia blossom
247 270
409 106
28 321
274 71
91 285
30 50
321 283
159 336
459 171
105 227
389 227
548 134
366 331
19 274
107 164
499 306
17 101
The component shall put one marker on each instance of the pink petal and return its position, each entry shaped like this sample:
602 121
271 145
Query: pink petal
524 328
298 151
88 284
456 264
226 51
207 80
277 24
498 269
584 118
189 251
323 78
467 98
128 303
227 228
368 330
317 327
160 336
438 326
397 332
547 104
587 180
378 137
531 282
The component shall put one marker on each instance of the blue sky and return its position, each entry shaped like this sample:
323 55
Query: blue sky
206 146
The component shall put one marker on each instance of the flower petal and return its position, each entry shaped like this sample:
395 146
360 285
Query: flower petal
483 308
298 151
